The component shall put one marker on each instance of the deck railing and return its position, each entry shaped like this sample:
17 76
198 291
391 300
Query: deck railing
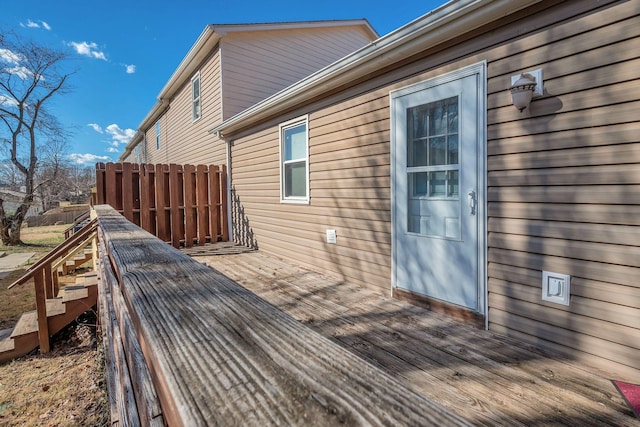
183 205
45 275
190 347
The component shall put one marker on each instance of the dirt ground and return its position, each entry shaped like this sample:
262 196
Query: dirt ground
65 387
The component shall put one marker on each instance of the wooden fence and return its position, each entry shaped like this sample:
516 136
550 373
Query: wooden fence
183 205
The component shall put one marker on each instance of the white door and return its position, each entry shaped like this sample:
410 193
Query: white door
438 188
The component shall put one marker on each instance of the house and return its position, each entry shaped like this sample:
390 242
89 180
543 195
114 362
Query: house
228 69
405 167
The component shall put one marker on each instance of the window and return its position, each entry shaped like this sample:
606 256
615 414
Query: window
196 110
294 159
158 134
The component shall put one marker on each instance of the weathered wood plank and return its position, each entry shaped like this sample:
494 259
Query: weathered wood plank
123 404
176 201
224 203
147 402
147 198
214 200
202 201
190 223
127 190
111 369
412 340
226 356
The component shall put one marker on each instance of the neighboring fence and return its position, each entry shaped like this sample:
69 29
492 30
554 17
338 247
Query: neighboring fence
183 205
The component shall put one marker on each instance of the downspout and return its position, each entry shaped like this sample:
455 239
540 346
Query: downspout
227 144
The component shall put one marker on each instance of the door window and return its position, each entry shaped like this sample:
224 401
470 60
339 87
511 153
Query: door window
433 166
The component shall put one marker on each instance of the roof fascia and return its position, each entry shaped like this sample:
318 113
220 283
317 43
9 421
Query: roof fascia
224 29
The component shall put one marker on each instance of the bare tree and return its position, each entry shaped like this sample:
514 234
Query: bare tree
30 75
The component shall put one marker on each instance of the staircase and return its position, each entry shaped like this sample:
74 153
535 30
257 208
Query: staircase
71 301
70 265
56 306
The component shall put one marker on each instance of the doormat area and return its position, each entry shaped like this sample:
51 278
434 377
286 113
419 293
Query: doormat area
631 394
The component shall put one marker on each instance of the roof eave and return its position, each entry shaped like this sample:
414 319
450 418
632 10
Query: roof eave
444 23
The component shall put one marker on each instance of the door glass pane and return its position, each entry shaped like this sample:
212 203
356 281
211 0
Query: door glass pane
419 184
452 149
437 184
437 151
433 146
432 131
453 188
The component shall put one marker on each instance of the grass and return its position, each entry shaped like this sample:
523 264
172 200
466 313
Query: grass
65 387
14 302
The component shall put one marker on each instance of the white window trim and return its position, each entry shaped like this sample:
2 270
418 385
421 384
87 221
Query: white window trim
199 99
158 139
291 123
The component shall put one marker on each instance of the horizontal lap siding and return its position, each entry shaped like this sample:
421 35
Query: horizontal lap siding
257 65
183 140
563 182
349 190
563 178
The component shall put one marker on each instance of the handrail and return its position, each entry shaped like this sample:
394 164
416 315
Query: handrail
77 220
269 368
57 252
75 251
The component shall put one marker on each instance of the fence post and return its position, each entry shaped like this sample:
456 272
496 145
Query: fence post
175 187
214 200
190 225
41 310
100 185
147 197
127 191
162 190
224 217
202 200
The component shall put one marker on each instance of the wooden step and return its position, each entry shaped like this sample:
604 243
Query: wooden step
27 324
73 292
87 279
55 306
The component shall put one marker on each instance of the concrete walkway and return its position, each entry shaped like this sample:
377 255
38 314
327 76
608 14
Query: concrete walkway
11 262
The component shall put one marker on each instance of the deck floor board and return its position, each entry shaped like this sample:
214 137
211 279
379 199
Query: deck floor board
484 377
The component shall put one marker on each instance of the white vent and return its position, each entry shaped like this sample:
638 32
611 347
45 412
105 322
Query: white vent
331 236
556 287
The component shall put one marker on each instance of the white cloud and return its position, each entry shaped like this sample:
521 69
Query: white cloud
118 135
36 24
88 158
9 102
112 150
131 69
9 57
96 127
88 49
22 72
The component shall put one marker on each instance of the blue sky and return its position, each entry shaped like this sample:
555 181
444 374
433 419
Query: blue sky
123 52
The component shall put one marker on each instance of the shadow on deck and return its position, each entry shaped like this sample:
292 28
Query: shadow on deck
486 378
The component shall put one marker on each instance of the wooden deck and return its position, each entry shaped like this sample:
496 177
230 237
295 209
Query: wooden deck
486 378
187 346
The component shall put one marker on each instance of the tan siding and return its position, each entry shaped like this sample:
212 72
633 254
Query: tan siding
257 65
183 140
563 178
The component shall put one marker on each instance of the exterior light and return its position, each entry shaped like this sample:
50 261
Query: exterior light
522 91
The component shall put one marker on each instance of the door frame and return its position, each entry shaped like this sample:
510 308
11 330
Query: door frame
479 70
